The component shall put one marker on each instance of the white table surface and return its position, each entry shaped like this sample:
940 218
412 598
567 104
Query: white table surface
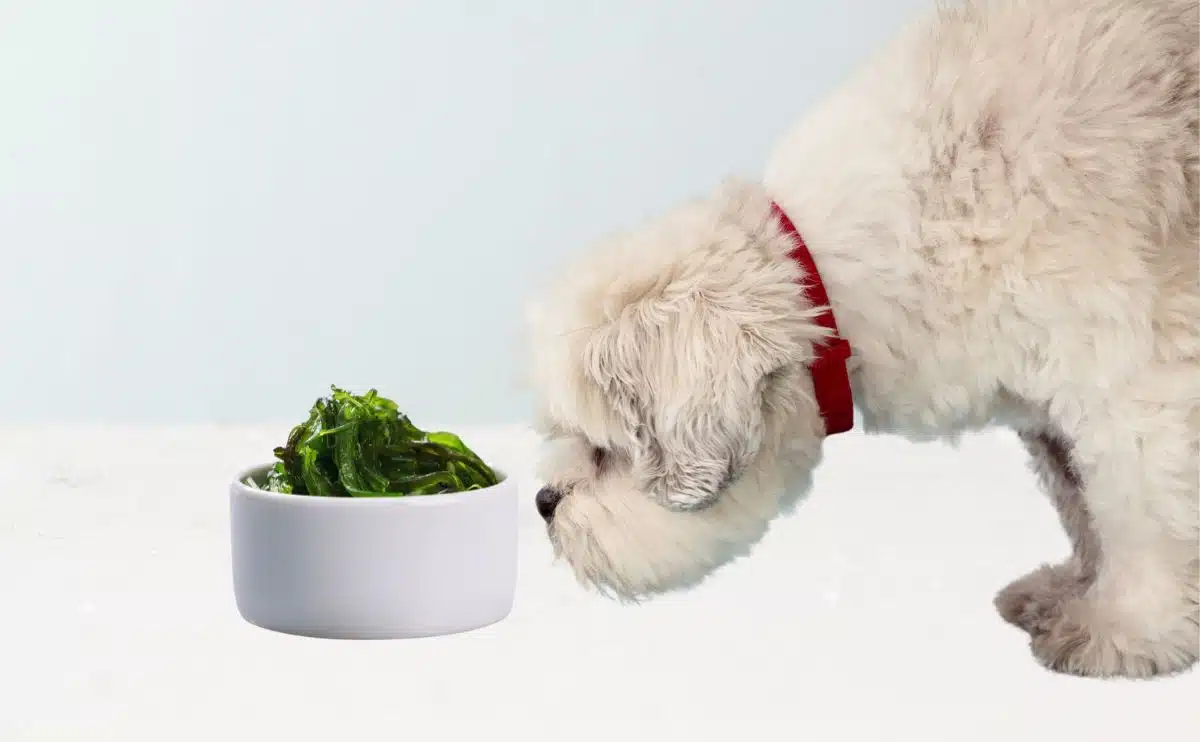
867 614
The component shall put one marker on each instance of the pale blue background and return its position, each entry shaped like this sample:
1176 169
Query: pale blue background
212 209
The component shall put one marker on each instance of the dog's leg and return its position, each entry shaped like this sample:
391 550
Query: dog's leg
1137 453
1030 601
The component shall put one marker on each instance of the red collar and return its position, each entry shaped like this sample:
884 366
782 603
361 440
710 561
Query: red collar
831 379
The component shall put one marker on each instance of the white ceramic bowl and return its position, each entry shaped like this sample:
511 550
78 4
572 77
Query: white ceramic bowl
373 568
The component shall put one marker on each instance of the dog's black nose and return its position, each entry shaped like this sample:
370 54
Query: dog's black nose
547 500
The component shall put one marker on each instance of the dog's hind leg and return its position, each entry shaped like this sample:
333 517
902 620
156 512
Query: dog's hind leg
1030 601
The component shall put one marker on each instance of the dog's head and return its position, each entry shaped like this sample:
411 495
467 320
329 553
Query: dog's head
670 365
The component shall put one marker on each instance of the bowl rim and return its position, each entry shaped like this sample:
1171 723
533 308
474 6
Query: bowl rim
240 489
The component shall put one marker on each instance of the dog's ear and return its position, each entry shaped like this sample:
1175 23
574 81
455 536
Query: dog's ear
691 463
687 392
700 310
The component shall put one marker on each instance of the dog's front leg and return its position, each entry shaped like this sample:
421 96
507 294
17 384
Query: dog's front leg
1137 457
1031 601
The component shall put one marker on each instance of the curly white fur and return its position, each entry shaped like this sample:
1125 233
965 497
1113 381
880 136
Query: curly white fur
1003 205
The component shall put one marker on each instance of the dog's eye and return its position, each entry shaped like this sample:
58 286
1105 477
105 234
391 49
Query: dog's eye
599 456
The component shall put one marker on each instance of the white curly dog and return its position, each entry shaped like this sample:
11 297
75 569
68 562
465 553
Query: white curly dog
995 222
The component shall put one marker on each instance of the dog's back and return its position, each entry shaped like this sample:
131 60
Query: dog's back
1064 147
1095 107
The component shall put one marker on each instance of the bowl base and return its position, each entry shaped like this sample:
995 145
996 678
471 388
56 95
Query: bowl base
368 634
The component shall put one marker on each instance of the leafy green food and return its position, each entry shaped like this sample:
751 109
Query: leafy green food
363 446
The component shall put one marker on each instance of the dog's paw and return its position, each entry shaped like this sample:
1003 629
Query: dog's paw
1081 638
1032 601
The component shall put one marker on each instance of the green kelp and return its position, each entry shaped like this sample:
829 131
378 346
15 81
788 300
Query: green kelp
363 446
